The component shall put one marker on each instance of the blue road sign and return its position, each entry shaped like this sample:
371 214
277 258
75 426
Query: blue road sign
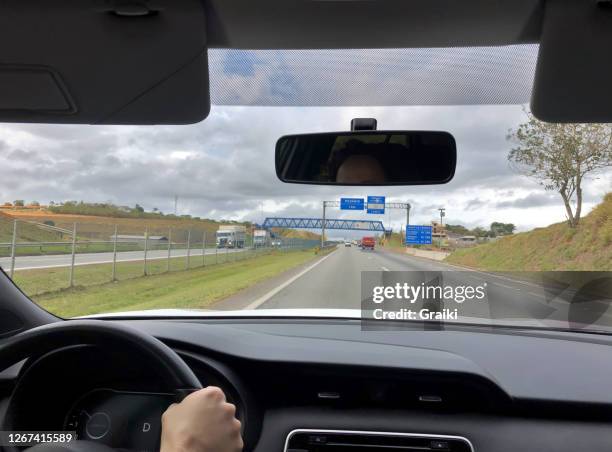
376 205
351 204
418 235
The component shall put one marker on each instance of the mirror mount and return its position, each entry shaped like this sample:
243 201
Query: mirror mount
358 124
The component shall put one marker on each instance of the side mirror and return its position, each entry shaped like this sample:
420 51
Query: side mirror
367 158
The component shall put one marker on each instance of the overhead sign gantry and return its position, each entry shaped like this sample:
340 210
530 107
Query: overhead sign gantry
317 223
378 207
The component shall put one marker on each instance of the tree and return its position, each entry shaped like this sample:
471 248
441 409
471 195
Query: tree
560 156
498 228
479 232
19 203
139 208
457 229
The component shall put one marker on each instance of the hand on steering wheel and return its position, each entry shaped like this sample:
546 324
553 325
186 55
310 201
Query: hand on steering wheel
176 376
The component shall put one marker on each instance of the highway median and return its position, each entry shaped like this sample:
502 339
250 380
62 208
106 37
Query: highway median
181 288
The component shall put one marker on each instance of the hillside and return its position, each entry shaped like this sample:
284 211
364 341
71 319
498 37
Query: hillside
556 247
27 232
100 227
296 234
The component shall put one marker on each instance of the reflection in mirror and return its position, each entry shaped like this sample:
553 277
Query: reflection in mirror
367 158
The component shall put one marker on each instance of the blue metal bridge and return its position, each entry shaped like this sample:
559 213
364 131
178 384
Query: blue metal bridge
317 223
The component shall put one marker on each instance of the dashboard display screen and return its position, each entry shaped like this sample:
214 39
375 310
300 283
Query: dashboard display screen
121 420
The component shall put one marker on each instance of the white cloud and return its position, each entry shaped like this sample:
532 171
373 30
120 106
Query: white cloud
224 166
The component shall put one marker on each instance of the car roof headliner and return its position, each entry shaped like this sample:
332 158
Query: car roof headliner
363 24
146 61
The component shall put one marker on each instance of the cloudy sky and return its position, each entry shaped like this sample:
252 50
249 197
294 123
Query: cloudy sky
223 167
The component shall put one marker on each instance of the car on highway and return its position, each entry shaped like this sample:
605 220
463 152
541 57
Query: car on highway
177 182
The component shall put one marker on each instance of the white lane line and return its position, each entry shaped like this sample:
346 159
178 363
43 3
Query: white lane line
504 285
261 300
539 295
385 269
464 268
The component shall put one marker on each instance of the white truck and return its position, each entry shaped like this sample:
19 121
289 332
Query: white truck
261 238
231 236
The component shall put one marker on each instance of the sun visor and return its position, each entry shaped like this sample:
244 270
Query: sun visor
574 69
103 62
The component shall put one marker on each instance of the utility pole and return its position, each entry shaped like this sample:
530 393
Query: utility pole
175 204
146 250
442 213
13 248
74 239
323 227
114 273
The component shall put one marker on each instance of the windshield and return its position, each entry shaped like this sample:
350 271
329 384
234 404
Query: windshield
146 219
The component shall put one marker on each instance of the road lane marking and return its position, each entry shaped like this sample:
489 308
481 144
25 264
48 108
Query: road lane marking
434 263
504 285
261 300
385 269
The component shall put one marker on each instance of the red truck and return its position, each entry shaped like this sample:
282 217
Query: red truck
367 243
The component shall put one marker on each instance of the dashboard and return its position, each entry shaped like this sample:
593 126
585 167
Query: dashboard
328 386
130 420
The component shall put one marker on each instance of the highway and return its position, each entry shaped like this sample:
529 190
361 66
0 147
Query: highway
63 260
335 282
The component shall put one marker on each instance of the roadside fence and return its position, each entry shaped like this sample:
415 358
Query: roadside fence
121 251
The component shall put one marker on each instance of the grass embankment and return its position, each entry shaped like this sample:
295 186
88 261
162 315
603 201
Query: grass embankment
394 241
556 247
26 232
197 288
296 234
96 227
42 281
99 228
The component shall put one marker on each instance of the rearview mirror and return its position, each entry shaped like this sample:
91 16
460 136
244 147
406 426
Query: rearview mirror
367 158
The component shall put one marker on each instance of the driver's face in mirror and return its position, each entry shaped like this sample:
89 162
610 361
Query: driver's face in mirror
360 169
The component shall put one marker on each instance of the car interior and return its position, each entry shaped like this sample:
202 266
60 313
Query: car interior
313 382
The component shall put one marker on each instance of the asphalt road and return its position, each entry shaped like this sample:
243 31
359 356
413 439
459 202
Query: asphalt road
63 260
335 282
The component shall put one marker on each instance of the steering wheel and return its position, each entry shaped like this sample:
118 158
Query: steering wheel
175 374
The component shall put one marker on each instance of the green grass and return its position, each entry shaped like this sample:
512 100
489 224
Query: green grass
43 281
554 248
26 232
193 289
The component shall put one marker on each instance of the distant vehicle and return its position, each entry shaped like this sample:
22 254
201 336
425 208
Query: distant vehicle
261 238
231 236
347 243
277 243
368 243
